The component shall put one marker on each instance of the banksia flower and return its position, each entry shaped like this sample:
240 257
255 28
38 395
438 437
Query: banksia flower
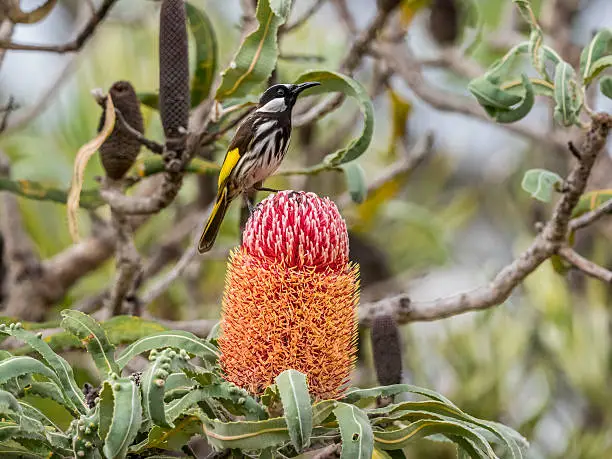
174 96
444 21
386 350
120 149
290 297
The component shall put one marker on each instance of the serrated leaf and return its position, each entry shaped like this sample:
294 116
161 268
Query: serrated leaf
16 451
8 430
93 337
400 438
598 48
540 183
337 82
71 391
355 181
18 366
35 413
125 417
356 395
205 51
281 8
321 411
567 97
256 58
9 404
294 394
172 339
48 390
170 439
606 86
152 386
355 431
246 434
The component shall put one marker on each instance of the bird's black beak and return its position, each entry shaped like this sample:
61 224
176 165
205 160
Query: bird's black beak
301 87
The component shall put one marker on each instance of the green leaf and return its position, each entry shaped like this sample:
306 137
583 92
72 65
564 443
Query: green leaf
90 199
501 67
336 82
540 183
18 366
206 53
520 112
296 405
246 434
355 395
152 386
257 56
567 96
125 417
606 86
150 99
8 430
170 439
49 390
598 48
35 413
71 391
173 339
356 432
12 449
321 411
281 8
93 337
85 440
9 404
355 181
540 87
591 201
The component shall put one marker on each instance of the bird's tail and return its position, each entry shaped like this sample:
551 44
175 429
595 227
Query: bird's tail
214 222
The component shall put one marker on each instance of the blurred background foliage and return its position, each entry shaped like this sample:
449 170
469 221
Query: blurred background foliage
541 362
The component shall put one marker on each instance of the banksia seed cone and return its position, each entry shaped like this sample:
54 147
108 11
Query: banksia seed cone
120 149
444 21
174 96
386 350
290 297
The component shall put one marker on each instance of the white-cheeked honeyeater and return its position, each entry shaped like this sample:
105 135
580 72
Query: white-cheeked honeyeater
255 152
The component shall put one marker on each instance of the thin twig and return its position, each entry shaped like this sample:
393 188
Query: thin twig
151 145
586 266
72 46
591 216
302 19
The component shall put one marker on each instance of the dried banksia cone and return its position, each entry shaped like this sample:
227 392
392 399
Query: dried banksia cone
444 21
290 297
174 96
386 350
120 149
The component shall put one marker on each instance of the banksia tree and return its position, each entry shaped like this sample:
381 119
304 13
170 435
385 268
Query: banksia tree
174 92
386 350
120 149
290 297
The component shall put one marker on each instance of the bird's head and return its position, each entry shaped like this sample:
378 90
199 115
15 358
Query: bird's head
281 97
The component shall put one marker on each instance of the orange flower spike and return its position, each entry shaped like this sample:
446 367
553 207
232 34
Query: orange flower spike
291 297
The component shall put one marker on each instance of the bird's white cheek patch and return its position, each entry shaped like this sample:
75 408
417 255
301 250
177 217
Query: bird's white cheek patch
275 105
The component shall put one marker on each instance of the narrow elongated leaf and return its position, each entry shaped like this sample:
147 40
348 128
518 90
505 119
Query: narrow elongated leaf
321 411
294 394
15 451
355 181
500 103
567 98
246 434
336 82
170 439
257 56
152 386
125 418
80 162
206 53
8 430
356 432
93 337
35 413
150 99
540 87
400 438
9 404
18 366
501 67
355 395
541 183
174 339
599 47
56 362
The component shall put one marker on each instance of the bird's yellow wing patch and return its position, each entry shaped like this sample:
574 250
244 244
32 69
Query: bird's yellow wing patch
230 161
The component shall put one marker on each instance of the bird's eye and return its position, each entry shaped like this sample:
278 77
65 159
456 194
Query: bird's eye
280 92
